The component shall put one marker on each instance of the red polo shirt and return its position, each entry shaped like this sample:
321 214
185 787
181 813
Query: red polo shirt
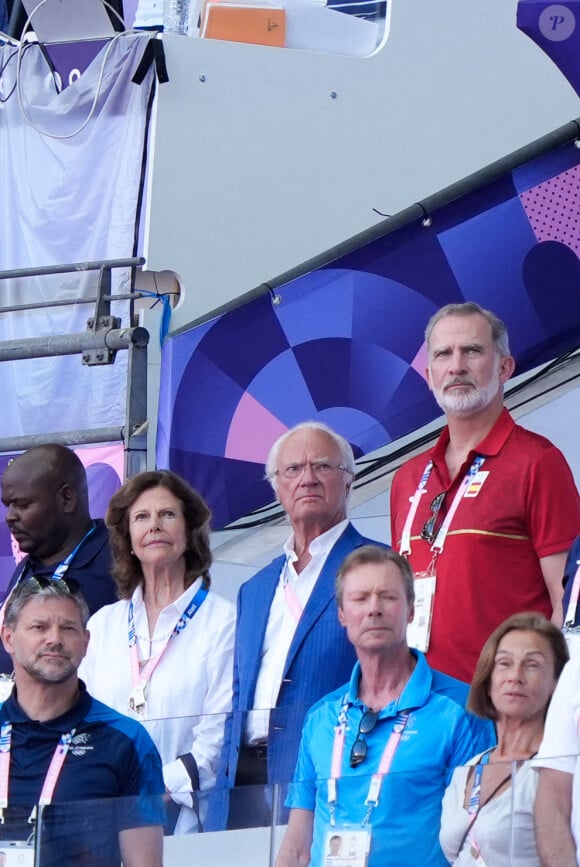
528 507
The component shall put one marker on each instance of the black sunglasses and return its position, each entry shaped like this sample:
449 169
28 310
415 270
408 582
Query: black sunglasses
69 585
359 749
428 531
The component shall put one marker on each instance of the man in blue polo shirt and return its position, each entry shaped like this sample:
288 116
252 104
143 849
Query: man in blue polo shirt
96 773
47 512
375 754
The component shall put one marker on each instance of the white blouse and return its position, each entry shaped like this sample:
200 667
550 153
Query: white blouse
504 828
189 693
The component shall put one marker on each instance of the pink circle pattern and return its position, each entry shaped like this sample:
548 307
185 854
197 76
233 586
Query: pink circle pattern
553 209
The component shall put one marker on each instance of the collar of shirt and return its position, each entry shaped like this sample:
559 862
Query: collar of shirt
168 616
414 695
490 445
88 550
12 712
321 546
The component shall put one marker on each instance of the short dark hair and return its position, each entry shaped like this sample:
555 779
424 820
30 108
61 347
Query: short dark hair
44 588
57 463
375 554
479 701
126 567
499 331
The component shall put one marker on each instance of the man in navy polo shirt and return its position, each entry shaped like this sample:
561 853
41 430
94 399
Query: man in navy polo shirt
47 511
96 773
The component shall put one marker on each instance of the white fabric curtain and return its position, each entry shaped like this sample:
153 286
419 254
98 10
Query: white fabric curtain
65 200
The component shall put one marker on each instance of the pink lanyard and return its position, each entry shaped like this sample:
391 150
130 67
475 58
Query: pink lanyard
290 596
139 678
437 546
52 774
573 601
385 763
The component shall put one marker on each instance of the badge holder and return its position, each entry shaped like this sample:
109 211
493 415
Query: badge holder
419 630
346 846
6 686
21 853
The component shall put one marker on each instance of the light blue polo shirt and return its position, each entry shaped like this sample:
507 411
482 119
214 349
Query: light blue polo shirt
439 735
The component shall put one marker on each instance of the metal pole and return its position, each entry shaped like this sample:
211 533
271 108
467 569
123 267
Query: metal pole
73 344
68 438
71 268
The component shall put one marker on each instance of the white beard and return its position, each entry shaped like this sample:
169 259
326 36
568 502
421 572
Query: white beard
470 401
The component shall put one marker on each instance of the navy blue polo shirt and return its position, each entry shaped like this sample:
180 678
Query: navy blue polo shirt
91 567
111 780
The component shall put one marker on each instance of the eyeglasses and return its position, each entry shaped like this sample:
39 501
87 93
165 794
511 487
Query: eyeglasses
68 585
359 749
428 531
321 469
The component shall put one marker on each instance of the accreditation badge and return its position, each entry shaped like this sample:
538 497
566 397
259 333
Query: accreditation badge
137 701
346 846
6 686
419 630
17 853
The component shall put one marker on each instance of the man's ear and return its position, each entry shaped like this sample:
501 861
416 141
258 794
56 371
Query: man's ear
340 616
507 366
67 497
428 377
7 639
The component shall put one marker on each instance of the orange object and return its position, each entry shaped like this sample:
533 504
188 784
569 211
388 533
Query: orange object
237 22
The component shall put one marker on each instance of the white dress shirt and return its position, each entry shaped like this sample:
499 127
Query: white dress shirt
560 747
189 693
282 625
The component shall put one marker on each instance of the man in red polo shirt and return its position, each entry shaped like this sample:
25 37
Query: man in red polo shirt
487 515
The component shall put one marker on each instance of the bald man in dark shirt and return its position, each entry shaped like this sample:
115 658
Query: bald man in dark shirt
47 512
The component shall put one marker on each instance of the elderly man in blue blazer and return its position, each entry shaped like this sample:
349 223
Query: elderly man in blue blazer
290 648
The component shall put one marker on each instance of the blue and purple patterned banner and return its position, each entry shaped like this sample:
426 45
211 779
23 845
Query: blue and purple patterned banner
346 346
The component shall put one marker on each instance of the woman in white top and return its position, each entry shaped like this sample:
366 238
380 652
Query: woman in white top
487 818
164 653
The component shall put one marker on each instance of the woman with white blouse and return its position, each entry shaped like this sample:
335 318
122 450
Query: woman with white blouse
487 818
163 654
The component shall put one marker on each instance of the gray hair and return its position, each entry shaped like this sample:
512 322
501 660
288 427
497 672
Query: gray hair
470 308
374 554
344 448
57 588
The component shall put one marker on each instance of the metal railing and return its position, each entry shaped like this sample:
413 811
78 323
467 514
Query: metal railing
97 345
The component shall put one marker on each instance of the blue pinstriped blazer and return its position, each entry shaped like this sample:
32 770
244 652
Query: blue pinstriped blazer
319 660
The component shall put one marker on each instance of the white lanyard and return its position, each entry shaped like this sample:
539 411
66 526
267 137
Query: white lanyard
573 601
385 763
140 679
405 549
52 774
437 546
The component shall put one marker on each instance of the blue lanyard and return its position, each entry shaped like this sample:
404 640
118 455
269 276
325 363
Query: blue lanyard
63 567
475 798
185 618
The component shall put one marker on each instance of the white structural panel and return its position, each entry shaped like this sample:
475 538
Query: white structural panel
264 157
